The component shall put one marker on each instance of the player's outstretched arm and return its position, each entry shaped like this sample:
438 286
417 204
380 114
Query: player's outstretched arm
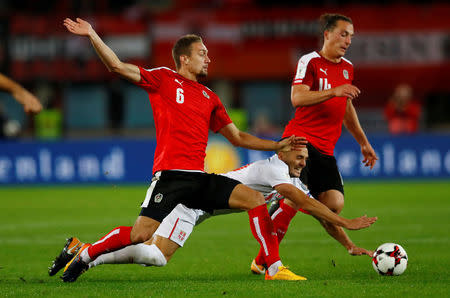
319 210
242 139
351 122
301 95
339 234
29 102
112 62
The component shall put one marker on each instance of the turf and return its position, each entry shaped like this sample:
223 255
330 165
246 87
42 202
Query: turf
34 223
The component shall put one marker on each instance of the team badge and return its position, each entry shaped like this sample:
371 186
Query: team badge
303 186
205 94
181 235
345 73
158 198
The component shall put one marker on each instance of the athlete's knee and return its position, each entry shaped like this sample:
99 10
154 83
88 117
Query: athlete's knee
333 200
139 235
337 204
143 229
150 255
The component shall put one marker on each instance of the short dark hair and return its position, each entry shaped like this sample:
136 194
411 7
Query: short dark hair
329 20
183 47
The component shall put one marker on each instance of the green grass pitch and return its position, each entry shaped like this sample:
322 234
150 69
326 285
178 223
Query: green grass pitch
34 222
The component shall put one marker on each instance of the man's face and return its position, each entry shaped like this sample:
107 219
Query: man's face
340 38
197 63
296 161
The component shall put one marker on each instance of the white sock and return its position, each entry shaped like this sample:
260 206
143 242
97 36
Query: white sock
273 269
85 256
149 255
121 256
143 254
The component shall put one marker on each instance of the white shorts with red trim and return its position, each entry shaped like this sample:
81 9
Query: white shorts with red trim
178 225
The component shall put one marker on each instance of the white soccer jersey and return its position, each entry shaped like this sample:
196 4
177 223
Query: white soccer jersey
264 175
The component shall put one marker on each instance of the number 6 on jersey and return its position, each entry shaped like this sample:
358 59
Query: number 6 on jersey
180 95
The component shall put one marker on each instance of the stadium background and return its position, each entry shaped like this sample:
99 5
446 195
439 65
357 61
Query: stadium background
94 125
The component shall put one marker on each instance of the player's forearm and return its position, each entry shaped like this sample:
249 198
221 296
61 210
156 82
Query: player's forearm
15 89
321 211
8 85
316 208
337 233
249 141
352 124
308 98
108 57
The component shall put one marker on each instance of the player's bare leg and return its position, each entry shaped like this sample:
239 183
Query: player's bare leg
143 229
165 245
334 200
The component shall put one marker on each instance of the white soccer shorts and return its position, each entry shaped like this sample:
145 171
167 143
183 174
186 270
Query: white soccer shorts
178 225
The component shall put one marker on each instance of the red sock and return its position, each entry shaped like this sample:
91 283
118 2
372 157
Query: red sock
119 237
264 232
281 219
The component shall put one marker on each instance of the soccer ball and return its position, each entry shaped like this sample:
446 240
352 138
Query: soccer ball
390 259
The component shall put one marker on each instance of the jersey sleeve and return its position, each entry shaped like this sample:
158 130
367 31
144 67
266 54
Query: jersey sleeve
305 72
150 78
274 173
219 117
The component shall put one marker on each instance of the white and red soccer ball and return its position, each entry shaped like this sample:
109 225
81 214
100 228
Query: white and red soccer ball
390 259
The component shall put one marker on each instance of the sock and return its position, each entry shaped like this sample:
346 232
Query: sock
114 240
281 219
125 255
149 255
264 232
273 269
144 254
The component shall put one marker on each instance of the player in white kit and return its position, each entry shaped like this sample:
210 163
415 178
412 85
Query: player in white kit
276 178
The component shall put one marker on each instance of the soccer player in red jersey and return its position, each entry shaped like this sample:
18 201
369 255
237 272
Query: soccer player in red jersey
184 111
323 94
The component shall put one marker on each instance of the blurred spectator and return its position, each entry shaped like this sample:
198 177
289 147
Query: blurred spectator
403 111
48 124
115 105
263 126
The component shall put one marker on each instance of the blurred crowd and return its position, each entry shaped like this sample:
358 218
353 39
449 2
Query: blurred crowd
398 109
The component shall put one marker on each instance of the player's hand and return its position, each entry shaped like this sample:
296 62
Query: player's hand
30 103
347 90
359 251
80 27
292 143
360 222
370 157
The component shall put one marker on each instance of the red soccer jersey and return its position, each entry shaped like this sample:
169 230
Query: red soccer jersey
321 124
183 111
